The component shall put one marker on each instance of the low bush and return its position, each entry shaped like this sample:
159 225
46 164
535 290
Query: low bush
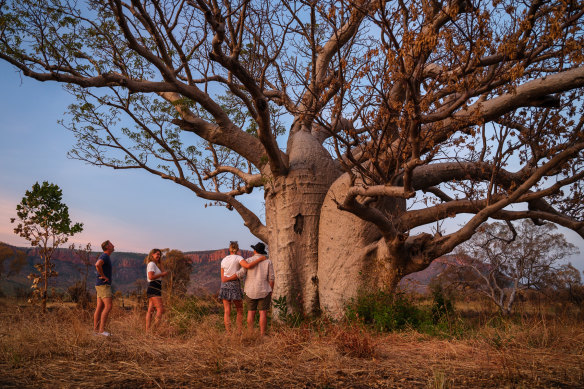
385 312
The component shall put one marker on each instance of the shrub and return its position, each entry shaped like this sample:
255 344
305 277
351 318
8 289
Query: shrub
442 305
281 308
385 312
79 294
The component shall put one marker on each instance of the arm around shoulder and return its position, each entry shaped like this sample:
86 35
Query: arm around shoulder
249 265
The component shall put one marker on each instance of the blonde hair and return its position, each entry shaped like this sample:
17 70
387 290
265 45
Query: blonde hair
150 256
233 246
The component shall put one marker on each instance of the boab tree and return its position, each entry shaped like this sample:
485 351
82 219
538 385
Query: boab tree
394 115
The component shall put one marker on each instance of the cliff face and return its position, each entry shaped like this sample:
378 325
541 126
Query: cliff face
420 282
129 270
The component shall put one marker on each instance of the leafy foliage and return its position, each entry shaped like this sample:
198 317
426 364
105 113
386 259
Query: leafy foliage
79 294
565 282
43 220
284 315
385 311
442 306
188 310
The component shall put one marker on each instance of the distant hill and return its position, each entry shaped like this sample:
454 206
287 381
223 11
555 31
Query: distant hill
419 282
128 268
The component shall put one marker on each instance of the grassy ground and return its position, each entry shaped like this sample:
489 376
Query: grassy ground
58 349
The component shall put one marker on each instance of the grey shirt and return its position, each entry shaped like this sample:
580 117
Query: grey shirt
257 281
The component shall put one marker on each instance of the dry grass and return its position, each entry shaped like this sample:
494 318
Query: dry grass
60 350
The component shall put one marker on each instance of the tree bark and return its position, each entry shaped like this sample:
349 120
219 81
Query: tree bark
293 205
354 257
45 281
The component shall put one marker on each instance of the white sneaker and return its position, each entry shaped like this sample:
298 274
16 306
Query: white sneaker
105 333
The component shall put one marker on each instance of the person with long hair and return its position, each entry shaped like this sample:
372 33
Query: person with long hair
154 273
230 291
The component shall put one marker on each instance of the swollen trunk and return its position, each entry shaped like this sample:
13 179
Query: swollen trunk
293 204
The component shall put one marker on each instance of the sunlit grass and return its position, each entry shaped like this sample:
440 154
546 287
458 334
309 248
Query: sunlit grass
191 349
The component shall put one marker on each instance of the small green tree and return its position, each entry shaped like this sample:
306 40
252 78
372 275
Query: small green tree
44 221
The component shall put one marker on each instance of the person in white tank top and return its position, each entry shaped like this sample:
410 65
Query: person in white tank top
154 273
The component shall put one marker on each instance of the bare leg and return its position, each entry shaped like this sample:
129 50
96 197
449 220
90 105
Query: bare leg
157 301
97 314
239 317
227 315
149 313
263 322
107 307
250 319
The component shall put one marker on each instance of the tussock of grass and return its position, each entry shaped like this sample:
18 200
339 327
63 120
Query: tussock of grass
191 350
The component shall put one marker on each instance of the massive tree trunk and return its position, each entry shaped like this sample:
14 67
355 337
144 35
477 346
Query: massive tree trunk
324 256
353 255
293 204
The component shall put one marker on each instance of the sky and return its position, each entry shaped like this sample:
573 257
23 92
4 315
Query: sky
137 211
134 209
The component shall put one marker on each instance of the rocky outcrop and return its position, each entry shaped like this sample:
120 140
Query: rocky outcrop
129 270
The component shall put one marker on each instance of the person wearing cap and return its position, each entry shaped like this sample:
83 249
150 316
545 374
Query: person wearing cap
230 292
259 283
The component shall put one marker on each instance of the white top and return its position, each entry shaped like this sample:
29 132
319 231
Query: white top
152 267
230 264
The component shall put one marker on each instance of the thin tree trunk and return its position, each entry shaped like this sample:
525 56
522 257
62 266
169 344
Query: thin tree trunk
45 282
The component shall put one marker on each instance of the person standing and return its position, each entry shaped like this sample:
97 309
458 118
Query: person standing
259 284
154 273
103 287
230 292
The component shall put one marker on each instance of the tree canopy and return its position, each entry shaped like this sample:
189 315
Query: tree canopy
394 115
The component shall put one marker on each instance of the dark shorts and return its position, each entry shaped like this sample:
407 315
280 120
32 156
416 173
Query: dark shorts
231 290
154 288
262 304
